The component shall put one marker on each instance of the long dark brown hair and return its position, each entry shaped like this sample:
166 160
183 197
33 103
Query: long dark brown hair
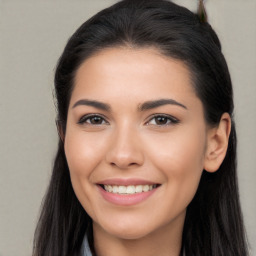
213 224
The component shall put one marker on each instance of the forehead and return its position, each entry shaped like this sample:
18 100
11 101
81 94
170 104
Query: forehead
137 74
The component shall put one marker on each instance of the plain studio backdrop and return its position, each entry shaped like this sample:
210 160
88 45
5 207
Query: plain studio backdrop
32 37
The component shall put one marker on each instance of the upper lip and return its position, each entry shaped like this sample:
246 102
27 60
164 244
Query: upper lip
125 182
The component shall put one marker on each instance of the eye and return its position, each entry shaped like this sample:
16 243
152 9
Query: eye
92 120
162 120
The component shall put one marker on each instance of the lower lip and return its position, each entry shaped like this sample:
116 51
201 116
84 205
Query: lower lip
126 200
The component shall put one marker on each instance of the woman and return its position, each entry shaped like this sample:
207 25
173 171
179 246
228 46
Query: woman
146 163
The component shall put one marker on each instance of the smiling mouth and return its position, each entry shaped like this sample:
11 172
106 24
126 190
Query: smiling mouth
128 190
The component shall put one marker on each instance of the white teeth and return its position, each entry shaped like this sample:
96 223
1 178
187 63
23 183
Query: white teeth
138 189
115 189
122 190
110 189
128 189
145 188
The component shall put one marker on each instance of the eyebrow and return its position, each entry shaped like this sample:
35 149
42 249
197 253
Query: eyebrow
158 103
93 103
143 107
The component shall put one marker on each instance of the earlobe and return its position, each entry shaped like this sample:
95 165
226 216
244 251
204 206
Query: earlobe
217 144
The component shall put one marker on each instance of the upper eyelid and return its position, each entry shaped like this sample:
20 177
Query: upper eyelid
162 115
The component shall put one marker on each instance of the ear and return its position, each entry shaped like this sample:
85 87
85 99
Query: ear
217 144
60 130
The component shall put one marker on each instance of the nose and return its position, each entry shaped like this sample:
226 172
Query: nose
125 150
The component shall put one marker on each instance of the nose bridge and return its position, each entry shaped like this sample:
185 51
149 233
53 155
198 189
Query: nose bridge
125 150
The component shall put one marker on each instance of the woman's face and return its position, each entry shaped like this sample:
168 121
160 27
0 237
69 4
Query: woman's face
135 141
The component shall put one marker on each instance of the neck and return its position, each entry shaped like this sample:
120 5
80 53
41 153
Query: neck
166 241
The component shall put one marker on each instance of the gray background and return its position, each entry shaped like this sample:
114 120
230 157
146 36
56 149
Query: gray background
32 36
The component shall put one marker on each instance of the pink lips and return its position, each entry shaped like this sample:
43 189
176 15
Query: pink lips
127 199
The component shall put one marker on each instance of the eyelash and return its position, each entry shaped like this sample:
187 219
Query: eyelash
84 119
170 120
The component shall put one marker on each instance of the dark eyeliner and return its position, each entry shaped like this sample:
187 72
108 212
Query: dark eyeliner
84 118
171 118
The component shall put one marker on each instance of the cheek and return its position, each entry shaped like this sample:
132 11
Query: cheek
180 159
83 152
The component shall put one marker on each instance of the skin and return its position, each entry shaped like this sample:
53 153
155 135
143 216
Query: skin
129 143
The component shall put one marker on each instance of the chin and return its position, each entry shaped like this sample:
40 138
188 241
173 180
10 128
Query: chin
126 230
128 234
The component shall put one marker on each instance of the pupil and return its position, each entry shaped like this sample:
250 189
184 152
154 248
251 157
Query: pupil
96 120
161 120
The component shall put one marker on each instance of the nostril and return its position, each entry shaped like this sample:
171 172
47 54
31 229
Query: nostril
123 164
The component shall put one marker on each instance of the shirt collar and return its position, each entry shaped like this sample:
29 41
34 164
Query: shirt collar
85 250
